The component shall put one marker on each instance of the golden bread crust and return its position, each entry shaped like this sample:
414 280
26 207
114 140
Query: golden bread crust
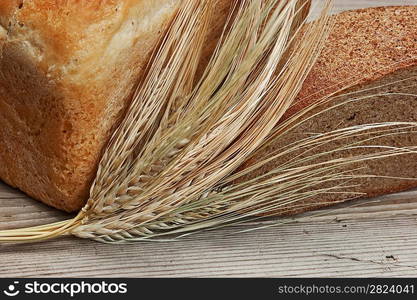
68 69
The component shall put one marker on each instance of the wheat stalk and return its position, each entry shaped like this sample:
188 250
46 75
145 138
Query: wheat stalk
281 189
245 109
174 165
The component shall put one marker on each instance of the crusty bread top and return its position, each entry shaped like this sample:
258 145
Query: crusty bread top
365 45
71 34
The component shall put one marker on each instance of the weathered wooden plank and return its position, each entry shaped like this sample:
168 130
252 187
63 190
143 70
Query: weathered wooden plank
372 246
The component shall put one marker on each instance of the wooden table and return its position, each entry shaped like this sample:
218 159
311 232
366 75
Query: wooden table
371 238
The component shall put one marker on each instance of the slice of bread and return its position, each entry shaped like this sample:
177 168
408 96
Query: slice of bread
375 52
68 69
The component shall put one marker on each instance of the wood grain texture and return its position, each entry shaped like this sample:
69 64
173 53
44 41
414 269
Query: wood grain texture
370 238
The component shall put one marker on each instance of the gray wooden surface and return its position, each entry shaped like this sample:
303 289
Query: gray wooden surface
377 238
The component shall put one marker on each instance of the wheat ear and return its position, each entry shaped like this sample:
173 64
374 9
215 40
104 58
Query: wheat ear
228 115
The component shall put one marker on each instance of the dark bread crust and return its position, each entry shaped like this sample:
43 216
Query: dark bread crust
365 45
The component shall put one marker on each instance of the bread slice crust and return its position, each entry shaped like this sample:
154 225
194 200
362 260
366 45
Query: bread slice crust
369 52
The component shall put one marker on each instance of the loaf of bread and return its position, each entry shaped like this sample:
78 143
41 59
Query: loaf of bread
373 52
68 70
